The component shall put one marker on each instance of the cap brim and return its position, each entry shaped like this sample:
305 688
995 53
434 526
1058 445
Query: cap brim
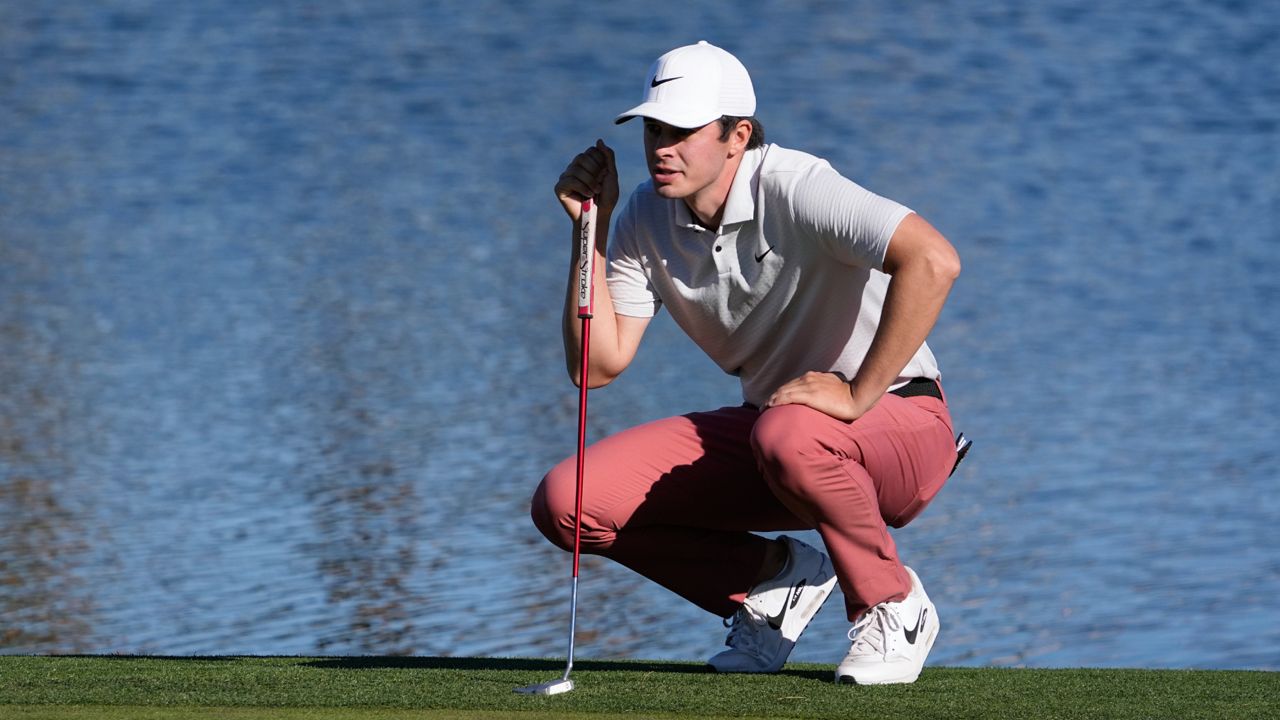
666 114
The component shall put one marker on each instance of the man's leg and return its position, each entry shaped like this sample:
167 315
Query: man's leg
852 481
673 500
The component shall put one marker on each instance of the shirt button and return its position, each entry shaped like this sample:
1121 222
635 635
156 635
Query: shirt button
717 248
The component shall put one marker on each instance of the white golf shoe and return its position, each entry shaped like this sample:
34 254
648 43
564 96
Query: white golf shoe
766 627
891 640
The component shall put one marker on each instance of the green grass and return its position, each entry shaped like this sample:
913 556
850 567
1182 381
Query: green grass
250 688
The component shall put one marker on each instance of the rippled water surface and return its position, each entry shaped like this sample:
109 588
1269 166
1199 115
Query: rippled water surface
279 295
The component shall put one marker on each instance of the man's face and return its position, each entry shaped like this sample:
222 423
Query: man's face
683 162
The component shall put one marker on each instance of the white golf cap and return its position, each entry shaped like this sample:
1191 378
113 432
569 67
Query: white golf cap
693 85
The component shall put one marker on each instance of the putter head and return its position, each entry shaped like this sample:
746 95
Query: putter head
550 687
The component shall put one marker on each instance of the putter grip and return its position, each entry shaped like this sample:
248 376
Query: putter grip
586 259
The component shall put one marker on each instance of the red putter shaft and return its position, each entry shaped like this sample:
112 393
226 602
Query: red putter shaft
586 301
586 270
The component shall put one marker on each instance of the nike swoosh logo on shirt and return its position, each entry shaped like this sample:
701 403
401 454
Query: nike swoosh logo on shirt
760 257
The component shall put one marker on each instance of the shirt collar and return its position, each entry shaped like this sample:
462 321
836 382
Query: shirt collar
740 206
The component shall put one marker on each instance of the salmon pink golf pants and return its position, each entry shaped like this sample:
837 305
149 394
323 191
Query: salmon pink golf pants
677 500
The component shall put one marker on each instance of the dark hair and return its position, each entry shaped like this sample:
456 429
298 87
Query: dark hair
729 122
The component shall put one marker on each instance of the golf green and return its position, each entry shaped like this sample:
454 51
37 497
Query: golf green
382 688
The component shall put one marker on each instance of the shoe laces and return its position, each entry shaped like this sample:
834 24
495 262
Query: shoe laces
872 630
745 630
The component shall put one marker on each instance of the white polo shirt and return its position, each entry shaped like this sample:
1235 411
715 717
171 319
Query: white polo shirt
790 282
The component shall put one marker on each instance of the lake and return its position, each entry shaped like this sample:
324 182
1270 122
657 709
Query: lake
280 288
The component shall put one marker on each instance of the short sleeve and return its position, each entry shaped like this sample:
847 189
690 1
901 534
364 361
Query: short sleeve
850 222
629 286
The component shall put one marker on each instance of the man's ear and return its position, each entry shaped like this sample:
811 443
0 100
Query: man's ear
740 137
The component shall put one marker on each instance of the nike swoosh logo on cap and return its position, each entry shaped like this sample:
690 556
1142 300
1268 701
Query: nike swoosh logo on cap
655 82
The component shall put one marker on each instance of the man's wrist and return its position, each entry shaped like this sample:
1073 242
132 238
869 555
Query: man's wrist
863 398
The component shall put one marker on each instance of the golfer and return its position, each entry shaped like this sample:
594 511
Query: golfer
818 295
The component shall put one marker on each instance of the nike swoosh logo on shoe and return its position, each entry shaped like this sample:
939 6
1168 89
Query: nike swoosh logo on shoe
911 634
775 621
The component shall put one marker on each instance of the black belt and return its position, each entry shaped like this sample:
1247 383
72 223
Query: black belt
919 387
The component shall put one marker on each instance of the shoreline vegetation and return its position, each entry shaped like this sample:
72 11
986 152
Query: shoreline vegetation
386 688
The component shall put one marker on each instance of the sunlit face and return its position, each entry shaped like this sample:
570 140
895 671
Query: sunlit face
684 163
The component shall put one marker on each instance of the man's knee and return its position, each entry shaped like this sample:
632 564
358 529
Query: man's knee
551 513
784 444
781 432
553 508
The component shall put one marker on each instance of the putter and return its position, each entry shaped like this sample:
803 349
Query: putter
586 270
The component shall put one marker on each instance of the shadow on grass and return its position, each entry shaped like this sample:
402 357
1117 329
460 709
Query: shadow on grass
376 662
469 663
544 665
370 662
174 658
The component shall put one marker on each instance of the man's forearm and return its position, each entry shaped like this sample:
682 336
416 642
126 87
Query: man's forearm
912 305
604 337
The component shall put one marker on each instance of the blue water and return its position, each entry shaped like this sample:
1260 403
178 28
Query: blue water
280 290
